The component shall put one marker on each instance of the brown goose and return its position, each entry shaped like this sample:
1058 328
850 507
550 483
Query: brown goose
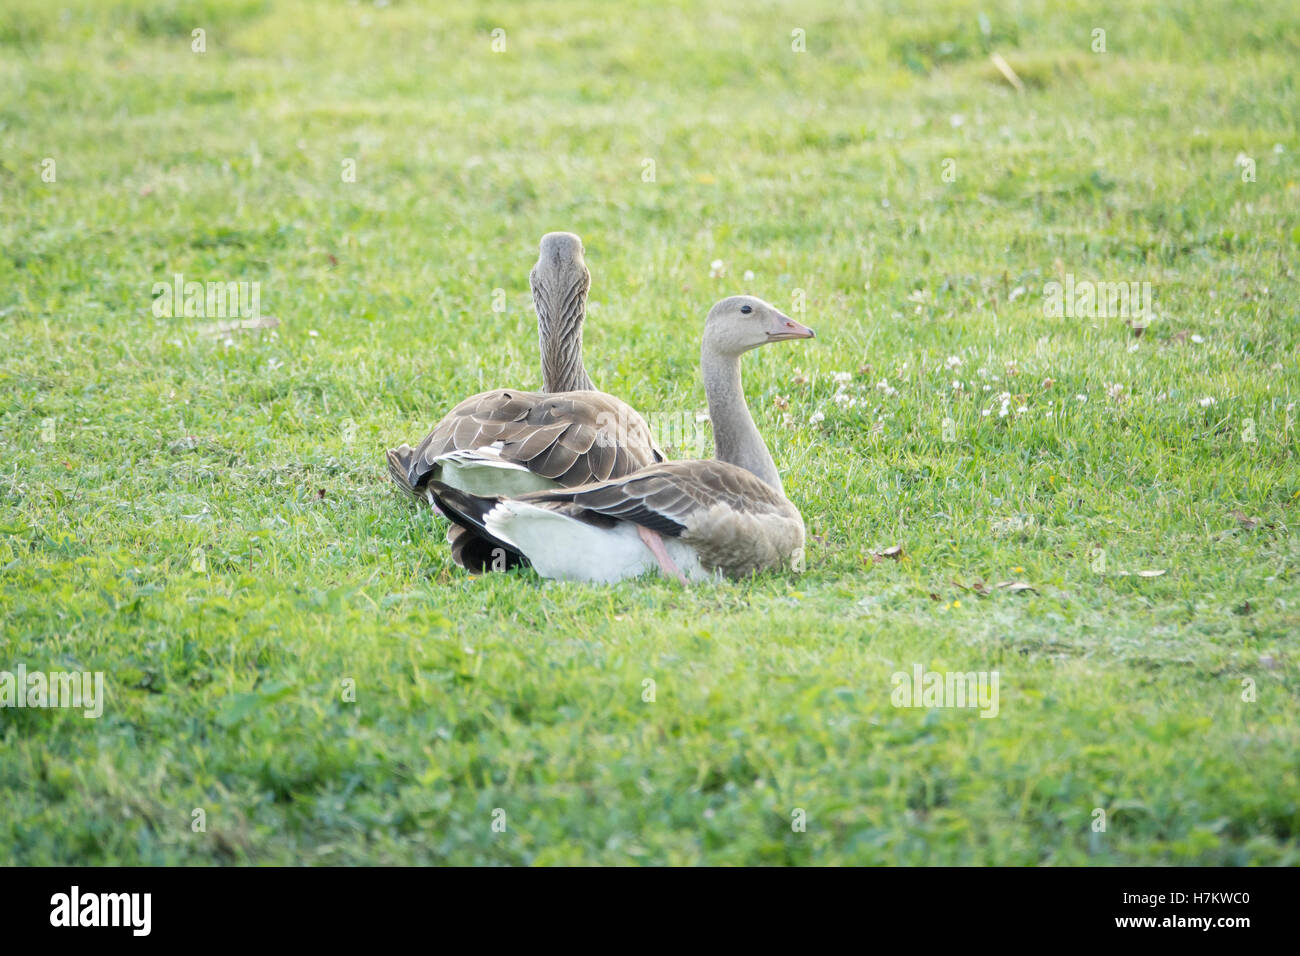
511 441
692 519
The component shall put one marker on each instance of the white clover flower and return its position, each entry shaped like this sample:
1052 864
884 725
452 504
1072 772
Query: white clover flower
1114 391
953 363
840 378
1208 402
749 275
1197 339
716 269
816 417
1081 398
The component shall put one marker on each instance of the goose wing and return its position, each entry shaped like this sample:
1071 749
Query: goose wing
570 438
672 498
726 519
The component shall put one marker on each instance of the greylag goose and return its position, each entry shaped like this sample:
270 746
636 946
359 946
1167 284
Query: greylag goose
510 441
693 519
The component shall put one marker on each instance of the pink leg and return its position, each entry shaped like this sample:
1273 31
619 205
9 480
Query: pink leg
656 545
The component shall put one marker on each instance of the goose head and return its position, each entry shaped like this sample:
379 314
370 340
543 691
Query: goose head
743 322
560 281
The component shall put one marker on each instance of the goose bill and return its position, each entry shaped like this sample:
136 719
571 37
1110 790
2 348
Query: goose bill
790 329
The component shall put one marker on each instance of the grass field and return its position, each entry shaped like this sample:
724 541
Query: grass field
206 518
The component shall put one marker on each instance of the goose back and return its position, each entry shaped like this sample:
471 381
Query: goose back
566 439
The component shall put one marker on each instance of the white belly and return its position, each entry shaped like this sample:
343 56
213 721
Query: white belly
566 549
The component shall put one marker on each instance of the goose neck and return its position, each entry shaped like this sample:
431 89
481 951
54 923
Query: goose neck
736 438
562 367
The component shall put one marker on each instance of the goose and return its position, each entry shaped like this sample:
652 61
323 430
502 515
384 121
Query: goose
511 441
694 520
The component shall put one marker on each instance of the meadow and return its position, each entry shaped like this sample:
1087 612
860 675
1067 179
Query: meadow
1095 506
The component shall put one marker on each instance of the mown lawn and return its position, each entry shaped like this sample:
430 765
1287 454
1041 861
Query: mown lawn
206 519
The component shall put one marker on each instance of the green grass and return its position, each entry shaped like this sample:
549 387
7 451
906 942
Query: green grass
819 171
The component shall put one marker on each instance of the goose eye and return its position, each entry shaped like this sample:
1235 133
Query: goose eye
746 309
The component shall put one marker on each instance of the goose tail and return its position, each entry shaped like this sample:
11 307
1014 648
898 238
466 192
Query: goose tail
399 468
477 548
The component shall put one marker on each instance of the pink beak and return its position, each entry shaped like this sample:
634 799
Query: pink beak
788 328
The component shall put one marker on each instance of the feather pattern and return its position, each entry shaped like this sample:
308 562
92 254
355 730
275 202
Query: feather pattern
572 438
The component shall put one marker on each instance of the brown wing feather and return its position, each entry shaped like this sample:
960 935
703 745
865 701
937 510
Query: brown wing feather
736 523
571 437
665 497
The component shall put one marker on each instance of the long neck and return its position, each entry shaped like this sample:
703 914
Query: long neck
735 436
562 368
